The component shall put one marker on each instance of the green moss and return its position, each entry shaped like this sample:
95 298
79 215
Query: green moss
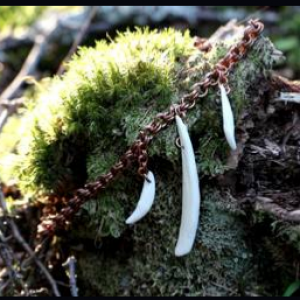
218 250
90 106
85 120
221 260
110 92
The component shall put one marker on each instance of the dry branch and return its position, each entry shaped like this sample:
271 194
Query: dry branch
19 238
28 69
267 204
79 38
71 263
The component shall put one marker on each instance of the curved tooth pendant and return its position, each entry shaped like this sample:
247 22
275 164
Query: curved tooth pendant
228 120
146 200
190 193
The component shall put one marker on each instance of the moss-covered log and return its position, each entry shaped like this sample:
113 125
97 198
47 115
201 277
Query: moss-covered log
82 122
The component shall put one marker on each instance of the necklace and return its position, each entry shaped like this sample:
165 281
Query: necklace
138 150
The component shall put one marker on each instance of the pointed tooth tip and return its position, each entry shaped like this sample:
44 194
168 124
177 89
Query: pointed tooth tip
233 146
230 139
181 252
232 143
140 210
129 221
186 236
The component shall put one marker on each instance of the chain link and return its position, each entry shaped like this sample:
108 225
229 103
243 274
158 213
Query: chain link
138 151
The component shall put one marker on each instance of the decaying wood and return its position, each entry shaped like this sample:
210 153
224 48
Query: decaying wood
268 205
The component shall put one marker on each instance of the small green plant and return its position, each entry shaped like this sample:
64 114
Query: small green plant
292 289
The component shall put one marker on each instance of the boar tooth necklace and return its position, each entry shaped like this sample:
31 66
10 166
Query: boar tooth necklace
228 119
190 193
138 153
146 199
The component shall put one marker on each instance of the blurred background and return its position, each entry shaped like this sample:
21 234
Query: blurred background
64 26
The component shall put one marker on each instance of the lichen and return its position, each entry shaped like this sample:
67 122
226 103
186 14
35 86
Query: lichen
221 260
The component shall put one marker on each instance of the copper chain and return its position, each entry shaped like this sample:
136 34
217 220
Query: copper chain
138 151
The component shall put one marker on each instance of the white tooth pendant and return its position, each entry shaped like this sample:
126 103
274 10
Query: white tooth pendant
146 200
190 193
228 120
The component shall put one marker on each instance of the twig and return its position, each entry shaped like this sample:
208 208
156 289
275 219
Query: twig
267 204
5 252
282 84
27 69
290 131
26 247
79 38
289 97
17 235
9 258
11 42
13 103
4 286
71 263
9 107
